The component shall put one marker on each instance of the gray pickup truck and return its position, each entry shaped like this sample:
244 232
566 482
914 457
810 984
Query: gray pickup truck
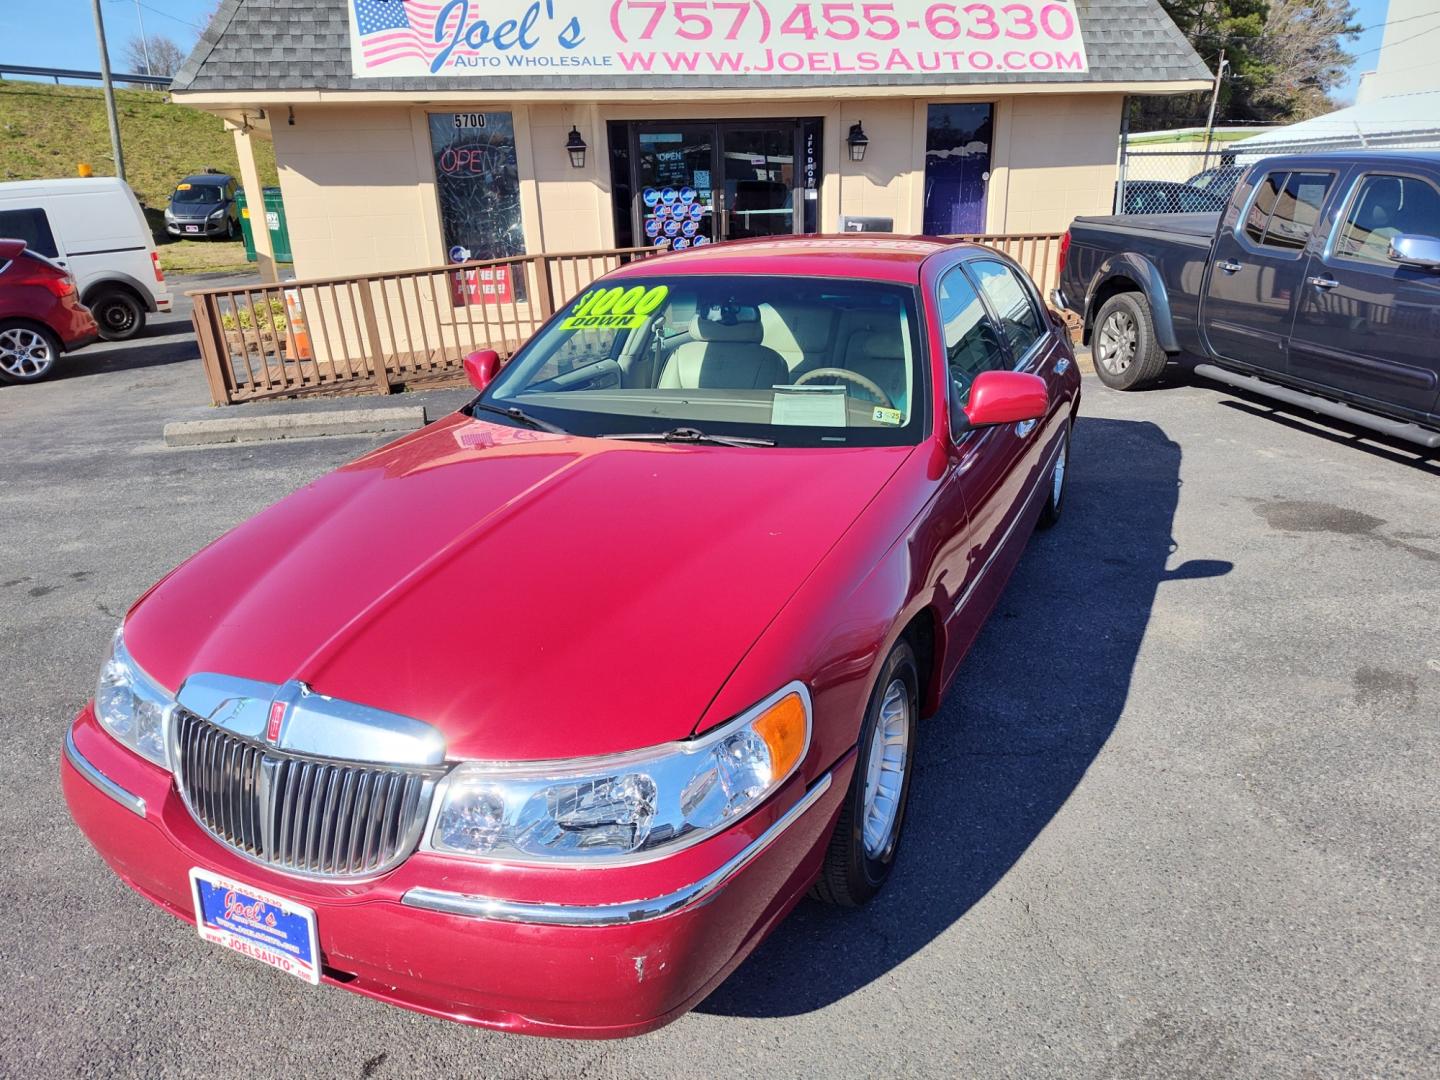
1317 285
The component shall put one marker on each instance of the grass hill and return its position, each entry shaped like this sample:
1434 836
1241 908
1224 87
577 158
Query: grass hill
46 130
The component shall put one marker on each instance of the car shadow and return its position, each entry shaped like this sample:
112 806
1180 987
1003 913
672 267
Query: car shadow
1034 703
156 346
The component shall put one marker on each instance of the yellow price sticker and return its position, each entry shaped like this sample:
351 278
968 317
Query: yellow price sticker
616 308
182 187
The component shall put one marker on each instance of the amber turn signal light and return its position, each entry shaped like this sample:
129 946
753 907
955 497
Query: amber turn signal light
782 726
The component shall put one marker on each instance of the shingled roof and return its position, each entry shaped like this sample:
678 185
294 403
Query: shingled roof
259 45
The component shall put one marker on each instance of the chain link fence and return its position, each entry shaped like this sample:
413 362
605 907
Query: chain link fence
1181 180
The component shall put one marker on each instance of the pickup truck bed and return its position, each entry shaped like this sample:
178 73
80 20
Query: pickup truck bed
1319 284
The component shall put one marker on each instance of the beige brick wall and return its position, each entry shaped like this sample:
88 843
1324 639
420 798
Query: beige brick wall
353 189
1055 159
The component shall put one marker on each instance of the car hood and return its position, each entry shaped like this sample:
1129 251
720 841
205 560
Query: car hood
194 210
531 595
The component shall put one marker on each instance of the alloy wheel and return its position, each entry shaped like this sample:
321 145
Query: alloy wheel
885 770
25 354
1116 344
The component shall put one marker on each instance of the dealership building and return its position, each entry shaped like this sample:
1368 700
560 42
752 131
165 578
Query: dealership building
413 133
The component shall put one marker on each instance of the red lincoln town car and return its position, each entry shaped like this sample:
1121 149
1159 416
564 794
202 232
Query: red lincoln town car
542 717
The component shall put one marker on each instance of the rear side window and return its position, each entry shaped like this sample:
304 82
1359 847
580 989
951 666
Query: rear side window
1385 207
1012 303
33 227
1285 209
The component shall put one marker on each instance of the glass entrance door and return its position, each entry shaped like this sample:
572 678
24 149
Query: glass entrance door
675 191
694 183
758 167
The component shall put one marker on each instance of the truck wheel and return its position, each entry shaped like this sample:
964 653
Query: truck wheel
1127 356
862 848
120 315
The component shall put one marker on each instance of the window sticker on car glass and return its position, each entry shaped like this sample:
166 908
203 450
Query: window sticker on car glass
809 406
616 308
182 187
886 416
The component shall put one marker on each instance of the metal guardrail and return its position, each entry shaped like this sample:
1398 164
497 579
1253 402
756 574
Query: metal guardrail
76 73
373 333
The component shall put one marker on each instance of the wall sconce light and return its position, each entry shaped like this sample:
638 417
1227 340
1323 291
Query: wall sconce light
291 120
576 147
857 141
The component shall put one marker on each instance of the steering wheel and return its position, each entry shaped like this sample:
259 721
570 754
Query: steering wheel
845 374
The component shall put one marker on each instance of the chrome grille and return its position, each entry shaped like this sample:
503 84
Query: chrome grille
299 814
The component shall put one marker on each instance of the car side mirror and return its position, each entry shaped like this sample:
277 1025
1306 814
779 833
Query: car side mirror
1413 249
482 367
1004 397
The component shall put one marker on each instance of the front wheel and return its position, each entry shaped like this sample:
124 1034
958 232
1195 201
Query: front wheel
121 316
863 846
27 353
1126 354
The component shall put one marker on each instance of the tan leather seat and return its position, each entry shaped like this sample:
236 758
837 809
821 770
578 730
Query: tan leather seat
879 355
724 356
800 333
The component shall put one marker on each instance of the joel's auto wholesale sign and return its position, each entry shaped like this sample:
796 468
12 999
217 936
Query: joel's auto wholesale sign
637 38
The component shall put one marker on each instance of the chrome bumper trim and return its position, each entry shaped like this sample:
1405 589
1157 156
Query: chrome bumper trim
617 914
134 803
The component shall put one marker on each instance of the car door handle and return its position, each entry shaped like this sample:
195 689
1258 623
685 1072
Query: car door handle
1025 427
1322 282
1229 267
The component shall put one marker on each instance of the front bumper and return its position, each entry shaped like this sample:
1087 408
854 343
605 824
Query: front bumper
204 227
527 949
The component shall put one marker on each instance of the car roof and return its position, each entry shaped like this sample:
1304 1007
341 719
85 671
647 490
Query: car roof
874 256
207 178
1335 158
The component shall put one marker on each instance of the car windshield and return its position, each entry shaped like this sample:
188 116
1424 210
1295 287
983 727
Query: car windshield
198 193
794 361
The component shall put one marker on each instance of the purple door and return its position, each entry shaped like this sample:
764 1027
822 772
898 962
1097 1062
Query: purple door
957 168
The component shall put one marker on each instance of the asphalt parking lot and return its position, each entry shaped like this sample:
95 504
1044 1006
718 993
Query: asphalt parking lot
1178 816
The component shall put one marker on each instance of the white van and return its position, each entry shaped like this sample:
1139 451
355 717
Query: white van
93 227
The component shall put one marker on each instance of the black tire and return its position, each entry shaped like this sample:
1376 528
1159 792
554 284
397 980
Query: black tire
230 229
1058 481
852 874
1123 346
119 312
28 352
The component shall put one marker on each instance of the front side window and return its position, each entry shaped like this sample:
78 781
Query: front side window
1285 209
33 227
1020 320
1384 208
823 362
972 344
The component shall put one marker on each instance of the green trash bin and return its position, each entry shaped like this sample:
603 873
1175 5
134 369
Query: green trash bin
274 219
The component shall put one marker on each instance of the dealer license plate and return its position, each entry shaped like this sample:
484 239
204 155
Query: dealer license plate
192 228
257 924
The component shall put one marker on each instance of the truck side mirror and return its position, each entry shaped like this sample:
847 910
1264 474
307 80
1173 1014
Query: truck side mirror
1413 249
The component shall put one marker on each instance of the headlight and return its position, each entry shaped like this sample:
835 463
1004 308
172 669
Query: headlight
626 808
132 707
218 212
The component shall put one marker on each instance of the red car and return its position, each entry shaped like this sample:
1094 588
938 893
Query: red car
40 314
542 717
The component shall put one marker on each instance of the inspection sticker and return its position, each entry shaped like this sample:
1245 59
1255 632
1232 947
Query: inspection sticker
616 308
886 416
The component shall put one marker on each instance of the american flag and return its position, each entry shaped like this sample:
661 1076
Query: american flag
398 29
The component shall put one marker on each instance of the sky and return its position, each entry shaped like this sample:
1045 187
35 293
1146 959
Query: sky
60 33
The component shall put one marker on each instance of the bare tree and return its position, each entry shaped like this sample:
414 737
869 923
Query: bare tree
164 56
1303 60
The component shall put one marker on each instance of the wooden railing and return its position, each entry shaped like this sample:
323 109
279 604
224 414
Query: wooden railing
372 333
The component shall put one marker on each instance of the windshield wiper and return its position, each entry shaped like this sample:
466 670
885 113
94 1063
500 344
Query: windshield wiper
514 412
691 435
